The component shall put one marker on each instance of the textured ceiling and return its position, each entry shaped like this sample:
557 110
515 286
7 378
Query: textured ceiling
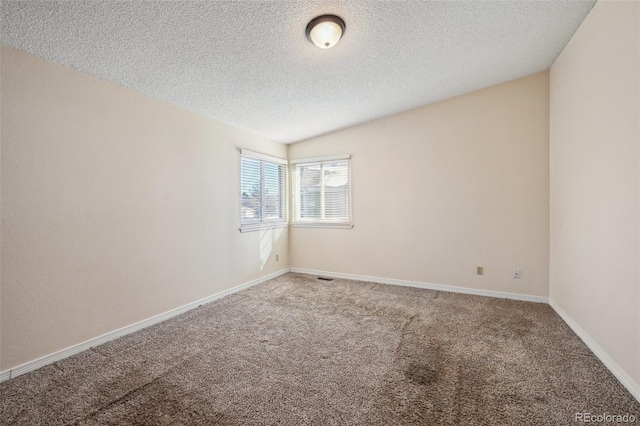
249 64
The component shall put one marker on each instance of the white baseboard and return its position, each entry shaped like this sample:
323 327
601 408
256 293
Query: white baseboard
616 370
75 349
440 287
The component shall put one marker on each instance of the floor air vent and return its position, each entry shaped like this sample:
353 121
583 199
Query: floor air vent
325 278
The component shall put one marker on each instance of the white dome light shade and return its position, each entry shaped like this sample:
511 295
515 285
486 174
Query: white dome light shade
325 31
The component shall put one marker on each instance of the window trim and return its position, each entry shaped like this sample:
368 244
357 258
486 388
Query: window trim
319 223
257 224
320 159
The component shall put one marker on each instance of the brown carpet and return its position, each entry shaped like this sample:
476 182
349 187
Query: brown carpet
296 350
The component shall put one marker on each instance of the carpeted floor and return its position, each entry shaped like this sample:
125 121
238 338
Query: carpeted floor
297 350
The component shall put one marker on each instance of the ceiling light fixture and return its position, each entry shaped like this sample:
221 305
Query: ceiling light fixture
325 31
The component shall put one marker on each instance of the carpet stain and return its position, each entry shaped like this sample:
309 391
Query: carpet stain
420 373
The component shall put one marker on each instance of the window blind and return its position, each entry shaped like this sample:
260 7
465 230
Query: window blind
262 189
322 192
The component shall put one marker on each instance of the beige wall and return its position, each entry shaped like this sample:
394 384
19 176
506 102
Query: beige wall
115 207
442 189
595 181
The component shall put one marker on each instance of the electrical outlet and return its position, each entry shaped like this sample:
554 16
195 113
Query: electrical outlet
479 270
277 257
516 272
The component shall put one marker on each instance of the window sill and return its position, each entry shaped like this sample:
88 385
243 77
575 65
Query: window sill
261 226
339 225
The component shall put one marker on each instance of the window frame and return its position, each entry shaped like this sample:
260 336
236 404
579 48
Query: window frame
261 222
295 195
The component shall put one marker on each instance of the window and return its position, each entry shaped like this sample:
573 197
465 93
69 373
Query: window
262 191
322 192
